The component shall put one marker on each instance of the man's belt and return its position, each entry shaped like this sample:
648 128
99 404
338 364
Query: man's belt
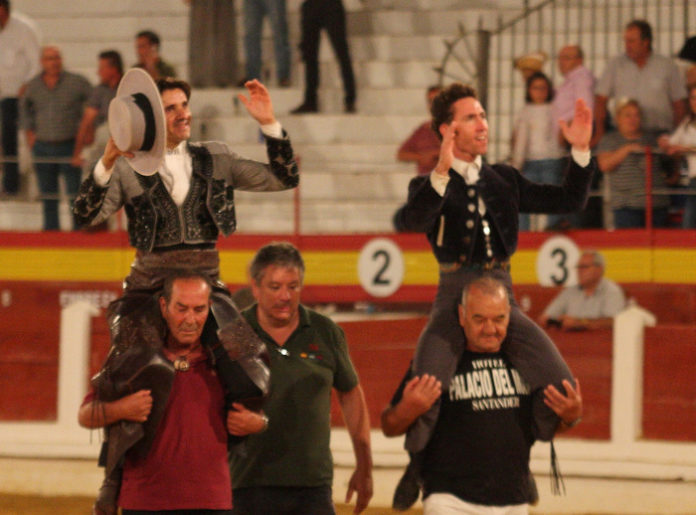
493 264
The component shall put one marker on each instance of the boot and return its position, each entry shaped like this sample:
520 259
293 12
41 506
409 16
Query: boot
105 504
410 485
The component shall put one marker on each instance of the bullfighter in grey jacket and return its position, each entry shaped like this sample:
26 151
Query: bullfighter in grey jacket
176 212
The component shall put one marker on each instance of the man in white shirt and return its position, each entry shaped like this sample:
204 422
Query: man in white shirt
19 62
578 82
592 304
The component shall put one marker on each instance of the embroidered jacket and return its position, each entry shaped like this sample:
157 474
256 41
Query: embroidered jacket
155 221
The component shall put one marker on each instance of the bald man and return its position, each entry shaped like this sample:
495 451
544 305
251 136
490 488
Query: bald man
578 82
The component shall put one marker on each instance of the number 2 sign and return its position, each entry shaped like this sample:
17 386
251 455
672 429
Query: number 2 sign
381 267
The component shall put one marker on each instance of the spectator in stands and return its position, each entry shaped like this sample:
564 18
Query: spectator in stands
683 143
329 15
536 150
688 53
578 82
621 156
19 48
212 53
147 48
254 12
592 304
52 108
423 145
110 71
654 81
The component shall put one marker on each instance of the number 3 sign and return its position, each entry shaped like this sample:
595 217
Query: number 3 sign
381 267
556 262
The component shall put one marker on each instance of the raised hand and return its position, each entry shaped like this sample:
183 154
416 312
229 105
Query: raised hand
444 162
579 132
258 104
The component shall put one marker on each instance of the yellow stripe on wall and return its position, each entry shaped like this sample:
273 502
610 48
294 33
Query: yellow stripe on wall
340 268
46 264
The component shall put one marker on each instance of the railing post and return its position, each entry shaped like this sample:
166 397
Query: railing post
627 373
483 43
648 188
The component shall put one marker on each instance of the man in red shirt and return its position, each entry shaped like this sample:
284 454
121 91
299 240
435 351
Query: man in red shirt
185 467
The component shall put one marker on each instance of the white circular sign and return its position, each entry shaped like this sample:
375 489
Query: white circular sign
556 262
381 267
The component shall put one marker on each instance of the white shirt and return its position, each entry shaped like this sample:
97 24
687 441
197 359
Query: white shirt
19 54
686 135
469 171
177 168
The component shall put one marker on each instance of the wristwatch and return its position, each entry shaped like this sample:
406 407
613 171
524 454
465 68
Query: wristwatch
265 422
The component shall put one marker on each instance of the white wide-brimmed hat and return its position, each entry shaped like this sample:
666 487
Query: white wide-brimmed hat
136 121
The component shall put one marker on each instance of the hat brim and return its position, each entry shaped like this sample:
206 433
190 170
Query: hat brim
137 80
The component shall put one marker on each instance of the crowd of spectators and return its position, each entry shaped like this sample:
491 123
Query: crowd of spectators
639 97
61 115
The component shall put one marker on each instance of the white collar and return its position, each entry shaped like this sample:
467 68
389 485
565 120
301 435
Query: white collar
469 170
179 150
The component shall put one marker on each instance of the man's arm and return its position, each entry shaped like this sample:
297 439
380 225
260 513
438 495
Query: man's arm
678 111
568 407
569 323
600 117
242 421
610 160
85 134
418 396
556 308
357 421
135 407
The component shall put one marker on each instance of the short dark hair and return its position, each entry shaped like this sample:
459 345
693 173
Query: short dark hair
179 274
535 76
278 253
151 36
114 58
441 108
643 27
168 83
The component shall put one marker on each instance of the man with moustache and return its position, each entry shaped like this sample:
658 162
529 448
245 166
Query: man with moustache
469 211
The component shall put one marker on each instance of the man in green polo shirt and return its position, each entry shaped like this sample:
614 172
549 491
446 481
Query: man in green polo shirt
288 468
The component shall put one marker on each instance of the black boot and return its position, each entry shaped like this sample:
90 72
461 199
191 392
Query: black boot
306 107
105 503
409 487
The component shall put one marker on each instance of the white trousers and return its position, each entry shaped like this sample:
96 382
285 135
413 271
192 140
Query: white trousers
448 504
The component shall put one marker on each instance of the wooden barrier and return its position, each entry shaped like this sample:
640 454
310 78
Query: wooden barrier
669 389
